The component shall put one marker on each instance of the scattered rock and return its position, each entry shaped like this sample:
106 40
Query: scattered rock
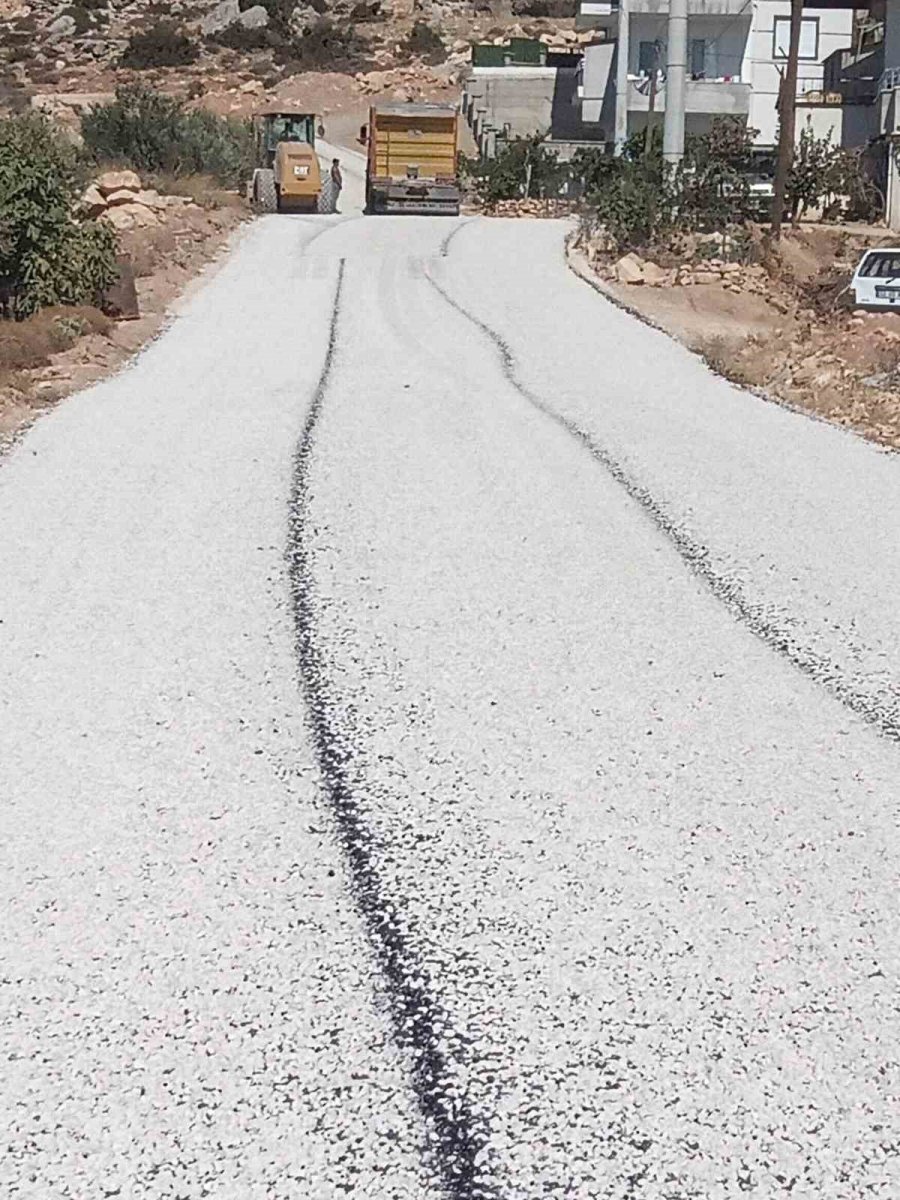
226 13
654 275
120 196
254 18
63 27
114 181
93 201
630 269
131 216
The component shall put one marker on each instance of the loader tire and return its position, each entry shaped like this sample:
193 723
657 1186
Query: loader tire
266 191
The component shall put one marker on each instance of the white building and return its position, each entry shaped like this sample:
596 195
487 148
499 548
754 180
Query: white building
736 54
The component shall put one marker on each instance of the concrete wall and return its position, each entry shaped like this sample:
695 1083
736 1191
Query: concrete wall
528 100
519 97
761 70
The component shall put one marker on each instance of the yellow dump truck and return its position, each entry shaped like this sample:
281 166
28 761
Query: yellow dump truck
411 162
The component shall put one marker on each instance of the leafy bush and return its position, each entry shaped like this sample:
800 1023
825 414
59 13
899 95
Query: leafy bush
82 18
812 173
47 256
237 37
854 177
423 41
643 201
591 169
557 9
161 45
637 204
325 45
156 133
523 167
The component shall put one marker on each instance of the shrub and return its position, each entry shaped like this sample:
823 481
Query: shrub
854 177
47 256
237 37
591 168
82 18
556 9
156 133
523 167
637 204
325 45
161 45
423 41
642 201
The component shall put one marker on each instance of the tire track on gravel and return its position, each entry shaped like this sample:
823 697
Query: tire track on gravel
458 1139
881 711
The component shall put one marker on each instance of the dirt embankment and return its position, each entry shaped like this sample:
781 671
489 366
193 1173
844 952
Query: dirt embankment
783 325
60 351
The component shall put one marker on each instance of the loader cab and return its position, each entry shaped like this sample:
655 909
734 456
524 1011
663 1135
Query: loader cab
274 127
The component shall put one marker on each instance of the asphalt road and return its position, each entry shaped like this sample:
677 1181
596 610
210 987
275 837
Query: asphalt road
448 748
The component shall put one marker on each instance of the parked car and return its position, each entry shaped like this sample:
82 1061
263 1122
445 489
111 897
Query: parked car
876 280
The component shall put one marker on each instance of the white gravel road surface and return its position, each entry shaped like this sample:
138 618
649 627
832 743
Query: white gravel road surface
448 748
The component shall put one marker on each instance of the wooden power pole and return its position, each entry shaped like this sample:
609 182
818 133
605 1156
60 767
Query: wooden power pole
787 112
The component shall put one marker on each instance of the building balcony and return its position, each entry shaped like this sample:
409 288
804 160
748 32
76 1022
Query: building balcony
713 97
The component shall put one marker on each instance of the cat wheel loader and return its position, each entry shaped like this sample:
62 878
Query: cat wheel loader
287 176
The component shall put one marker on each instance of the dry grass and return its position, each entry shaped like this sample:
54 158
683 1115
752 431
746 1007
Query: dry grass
150 249
27 345
725 357
202 189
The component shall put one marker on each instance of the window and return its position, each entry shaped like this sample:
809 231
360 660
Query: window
698 58
809 38
649 58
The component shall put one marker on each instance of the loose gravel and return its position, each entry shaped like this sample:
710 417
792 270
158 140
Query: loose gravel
390 808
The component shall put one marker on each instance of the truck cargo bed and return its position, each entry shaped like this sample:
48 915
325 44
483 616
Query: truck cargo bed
411 165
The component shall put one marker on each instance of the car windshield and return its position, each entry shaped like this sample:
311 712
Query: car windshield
881 264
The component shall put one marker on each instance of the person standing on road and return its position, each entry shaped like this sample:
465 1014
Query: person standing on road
337 182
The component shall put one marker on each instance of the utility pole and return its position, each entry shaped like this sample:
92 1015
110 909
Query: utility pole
622 52
676 76
787 113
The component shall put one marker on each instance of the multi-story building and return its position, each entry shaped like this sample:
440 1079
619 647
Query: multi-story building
737 50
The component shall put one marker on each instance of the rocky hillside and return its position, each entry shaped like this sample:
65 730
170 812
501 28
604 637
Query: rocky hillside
92 45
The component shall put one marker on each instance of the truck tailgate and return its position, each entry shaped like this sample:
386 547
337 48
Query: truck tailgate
415 145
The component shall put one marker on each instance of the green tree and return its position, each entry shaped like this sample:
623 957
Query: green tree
522 168
812 174
48 256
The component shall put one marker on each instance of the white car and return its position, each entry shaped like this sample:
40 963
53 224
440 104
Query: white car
876 281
